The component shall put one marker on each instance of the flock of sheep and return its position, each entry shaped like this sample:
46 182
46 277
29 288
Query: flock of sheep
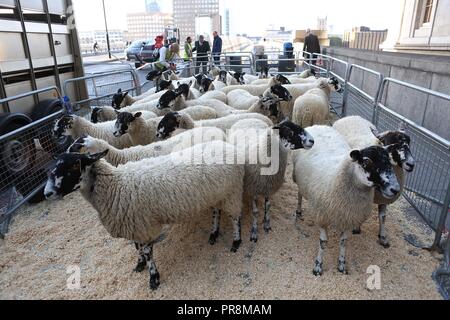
189 145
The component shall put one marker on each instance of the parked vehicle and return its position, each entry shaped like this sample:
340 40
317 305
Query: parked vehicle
135 49
149 52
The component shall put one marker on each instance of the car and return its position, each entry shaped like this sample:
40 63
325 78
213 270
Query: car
148 53
134 49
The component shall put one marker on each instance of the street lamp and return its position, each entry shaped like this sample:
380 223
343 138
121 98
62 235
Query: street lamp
106 27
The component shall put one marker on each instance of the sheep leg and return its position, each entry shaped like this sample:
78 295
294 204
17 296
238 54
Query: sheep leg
382 220
216 226
342 263
154 274
318 269
236 234
267 227
299 212
255 212
142 262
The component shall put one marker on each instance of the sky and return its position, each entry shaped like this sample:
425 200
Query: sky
255 16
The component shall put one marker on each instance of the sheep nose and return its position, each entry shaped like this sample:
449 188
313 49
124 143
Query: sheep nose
49 194
395 191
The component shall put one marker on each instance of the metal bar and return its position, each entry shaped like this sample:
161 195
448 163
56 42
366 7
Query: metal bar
3 93
442 221
52 44
27 94
26 47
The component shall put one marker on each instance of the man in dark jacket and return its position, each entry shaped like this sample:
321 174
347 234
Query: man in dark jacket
312 46
217 48
202 48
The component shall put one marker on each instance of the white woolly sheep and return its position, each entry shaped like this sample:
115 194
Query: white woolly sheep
360 133
75 127
265 152
117 157
297 90
257 90
241 99
143 132
134 202
175 122
313 108
339 185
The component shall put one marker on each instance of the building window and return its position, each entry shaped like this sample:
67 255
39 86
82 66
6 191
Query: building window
428 9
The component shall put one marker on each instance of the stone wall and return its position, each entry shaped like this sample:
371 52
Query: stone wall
432 72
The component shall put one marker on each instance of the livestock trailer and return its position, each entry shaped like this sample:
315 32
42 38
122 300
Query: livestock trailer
39 51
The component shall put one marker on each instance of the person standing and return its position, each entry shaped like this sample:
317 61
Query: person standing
96 47
188 50
167 57
202 48
311 46
217 48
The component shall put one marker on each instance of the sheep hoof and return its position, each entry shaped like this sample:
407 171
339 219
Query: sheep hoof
213 238
384 242
318 272
299 216
342 269
267 229
154 281
357 231
236 245
318 269
141 266
254 238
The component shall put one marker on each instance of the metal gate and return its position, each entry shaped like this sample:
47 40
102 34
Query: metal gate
26 155
101 87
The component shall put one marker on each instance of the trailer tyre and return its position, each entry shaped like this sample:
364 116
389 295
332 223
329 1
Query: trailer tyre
48 142
17 154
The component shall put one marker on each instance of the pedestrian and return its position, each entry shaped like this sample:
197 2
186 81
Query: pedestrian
96 47
168 55
188 50
312 46
217 48
202 48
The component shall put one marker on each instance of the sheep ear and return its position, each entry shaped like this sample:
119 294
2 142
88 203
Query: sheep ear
356 155
138 115
97 156
119 91
178 84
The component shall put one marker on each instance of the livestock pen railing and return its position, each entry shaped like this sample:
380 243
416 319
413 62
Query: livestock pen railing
101 87
365 94
25 156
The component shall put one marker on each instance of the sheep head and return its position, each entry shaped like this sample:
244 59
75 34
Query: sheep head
67 175
124 123
374 169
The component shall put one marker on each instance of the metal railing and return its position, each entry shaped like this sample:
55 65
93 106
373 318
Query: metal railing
101 87
427 189
25 155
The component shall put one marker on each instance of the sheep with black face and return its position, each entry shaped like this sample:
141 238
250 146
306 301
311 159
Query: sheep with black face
132 202
265 176
340 184
360 133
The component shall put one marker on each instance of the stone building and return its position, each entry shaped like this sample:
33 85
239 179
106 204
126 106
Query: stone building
425 27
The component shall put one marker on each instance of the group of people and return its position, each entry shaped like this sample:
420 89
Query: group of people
169 54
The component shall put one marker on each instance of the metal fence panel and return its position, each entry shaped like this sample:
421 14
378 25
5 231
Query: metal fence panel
26 154
101 87
428 187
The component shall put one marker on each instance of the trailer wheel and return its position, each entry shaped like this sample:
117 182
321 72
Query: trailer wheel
17 154
48 142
